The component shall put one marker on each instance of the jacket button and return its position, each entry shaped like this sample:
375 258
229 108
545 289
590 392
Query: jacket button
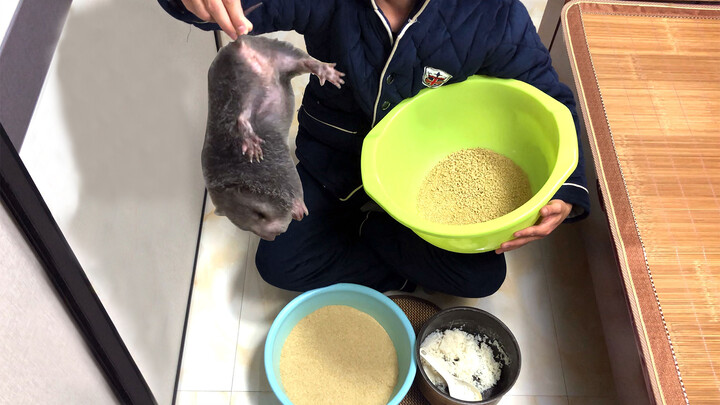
390 78
385 105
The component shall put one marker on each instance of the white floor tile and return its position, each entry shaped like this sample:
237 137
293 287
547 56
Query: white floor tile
208 359
533 400
202 398
584 357
254 398
261 303
623 355
522 303
535 8
593 401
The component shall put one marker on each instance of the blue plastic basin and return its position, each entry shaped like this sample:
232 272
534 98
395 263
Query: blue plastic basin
365 299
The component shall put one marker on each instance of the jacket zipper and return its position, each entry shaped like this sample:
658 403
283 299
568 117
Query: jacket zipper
394 48
384 21
326 123
394 43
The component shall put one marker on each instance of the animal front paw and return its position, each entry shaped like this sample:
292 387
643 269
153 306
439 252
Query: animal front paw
326 71
251 143
251 146
299 209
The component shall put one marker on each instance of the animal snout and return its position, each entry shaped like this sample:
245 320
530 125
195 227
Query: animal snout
279 226
270 230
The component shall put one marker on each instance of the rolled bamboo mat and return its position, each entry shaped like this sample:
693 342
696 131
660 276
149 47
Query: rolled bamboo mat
648 79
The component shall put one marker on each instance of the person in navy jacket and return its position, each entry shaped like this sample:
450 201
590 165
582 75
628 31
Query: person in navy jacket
389 51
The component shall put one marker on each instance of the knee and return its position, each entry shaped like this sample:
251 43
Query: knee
272 268
485 282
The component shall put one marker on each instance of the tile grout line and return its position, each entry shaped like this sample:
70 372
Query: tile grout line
242 300
206 391
232 392
545 262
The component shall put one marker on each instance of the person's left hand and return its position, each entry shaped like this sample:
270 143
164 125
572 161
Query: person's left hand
551 216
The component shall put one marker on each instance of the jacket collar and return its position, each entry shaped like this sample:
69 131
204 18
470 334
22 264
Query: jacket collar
418 4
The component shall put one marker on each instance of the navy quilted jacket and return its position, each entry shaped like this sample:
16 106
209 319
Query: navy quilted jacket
457 37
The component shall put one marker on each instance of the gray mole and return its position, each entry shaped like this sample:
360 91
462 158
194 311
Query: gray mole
246 161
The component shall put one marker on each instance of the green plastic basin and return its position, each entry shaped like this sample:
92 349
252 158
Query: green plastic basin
507 116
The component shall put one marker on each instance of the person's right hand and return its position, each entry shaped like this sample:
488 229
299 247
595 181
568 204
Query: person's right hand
228 14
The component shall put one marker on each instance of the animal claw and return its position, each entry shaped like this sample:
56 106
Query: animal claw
251 146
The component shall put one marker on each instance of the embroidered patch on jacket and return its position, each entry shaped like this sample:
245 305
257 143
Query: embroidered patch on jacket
435 77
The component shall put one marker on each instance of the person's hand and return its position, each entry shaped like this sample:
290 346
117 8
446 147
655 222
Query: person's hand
551 216
228 14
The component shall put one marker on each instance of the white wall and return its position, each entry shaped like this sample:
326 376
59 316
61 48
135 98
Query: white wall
7 11
114 147
43 357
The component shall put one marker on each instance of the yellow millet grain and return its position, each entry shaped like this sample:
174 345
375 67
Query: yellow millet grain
338 355
472 186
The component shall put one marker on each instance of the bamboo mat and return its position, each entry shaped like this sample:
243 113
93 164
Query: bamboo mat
648 78
418 312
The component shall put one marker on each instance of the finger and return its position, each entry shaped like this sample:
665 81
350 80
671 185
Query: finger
514 244
197 7
547 225
530 231
217 10
240 23
551 209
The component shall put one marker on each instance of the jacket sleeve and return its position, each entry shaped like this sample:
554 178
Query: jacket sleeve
518 53
303 16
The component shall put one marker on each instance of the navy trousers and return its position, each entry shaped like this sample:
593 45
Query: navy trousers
340 243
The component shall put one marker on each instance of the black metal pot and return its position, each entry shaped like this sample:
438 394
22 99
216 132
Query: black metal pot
474 321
